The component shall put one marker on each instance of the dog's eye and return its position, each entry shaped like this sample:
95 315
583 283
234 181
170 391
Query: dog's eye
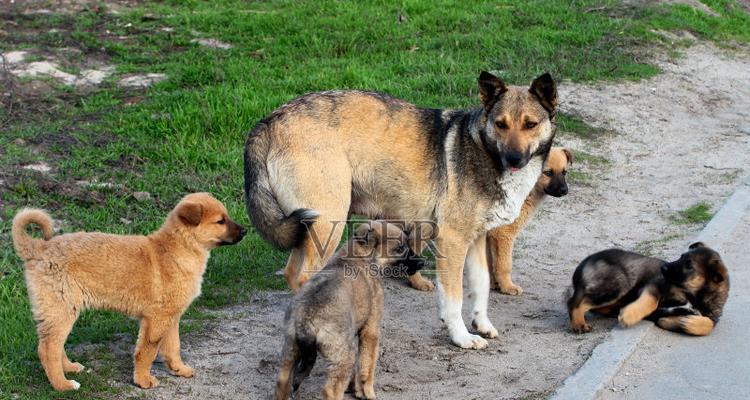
501 125
565 172
221 221
530 125
689 266
548 173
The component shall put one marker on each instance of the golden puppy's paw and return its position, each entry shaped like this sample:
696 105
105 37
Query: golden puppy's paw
422 284
67 385
184 371
697 325
146 381
512 290
628 317
580 328
365 392
74 368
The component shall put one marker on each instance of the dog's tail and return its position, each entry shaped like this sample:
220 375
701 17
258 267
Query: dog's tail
270 221
26 246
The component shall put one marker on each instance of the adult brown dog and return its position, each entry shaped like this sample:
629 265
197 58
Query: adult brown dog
686 295
500 240
327 155
154 278
340 303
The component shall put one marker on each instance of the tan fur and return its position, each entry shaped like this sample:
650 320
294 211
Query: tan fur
577 318
500 240
639 309
154 278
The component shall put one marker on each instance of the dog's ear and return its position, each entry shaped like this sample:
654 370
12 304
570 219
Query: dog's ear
365 235
545 90
696 245
716 270
569 155
490 88
190 213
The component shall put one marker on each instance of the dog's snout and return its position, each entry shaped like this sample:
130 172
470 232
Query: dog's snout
563 190
514 159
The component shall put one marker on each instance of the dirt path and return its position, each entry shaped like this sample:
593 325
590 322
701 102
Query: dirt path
680 138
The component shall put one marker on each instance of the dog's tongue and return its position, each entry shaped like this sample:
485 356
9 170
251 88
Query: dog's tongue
514 169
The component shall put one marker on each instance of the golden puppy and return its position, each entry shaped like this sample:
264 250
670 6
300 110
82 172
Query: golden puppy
154 278
500 240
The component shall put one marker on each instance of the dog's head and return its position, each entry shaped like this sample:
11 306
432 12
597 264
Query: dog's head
206 220
552 181
385 245
520 121
697 270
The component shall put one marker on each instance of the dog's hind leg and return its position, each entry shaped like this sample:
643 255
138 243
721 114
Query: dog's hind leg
577 307
340 352
318 247
696 325
364 379
289 357
479 287
53 330
170 349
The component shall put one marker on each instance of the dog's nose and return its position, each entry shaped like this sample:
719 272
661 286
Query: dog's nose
563 191
243 231
513 159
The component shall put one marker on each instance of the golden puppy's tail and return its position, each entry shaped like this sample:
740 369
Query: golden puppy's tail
26 245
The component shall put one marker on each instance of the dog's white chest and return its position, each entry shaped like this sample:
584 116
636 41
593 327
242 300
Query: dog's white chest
516 186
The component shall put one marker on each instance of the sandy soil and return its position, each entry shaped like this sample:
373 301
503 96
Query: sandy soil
678 139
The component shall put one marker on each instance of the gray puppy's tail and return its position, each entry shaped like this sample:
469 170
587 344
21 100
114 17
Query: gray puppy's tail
270 221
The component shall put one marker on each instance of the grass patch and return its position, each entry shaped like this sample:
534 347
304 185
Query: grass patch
697 214
573 125
186 134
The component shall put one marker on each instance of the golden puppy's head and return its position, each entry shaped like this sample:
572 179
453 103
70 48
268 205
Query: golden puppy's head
552 181
206 220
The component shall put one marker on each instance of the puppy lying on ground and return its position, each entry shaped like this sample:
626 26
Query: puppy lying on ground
340 303
686 295
500 240
154 278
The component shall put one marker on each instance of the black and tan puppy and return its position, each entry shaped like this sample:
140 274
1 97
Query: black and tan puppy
686 295
341 303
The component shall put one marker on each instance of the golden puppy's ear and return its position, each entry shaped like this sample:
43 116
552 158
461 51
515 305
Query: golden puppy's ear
696 245
190 213
490 88
569 155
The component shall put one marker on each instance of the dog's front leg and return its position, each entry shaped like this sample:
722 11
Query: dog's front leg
450 259
151 332
479 287
170 349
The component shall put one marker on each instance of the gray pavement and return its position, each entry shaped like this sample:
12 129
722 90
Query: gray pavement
649 363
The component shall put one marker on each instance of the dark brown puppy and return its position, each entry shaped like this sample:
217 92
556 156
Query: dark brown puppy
343 302
686 295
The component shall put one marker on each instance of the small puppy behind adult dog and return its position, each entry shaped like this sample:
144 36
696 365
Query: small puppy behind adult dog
340 303
686 295
154 278
500 240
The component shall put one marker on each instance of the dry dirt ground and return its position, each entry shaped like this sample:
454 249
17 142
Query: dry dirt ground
677 139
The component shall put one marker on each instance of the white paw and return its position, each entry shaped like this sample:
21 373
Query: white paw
485 328
469 341
75 384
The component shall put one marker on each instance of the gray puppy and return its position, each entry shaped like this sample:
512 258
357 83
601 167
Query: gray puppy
342 302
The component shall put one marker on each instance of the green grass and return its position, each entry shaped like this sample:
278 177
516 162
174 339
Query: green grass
186 134
696 214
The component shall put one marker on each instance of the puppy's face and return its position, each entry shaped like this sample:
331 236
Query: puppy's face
207 220
385 244
552 180
518 119
698 268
